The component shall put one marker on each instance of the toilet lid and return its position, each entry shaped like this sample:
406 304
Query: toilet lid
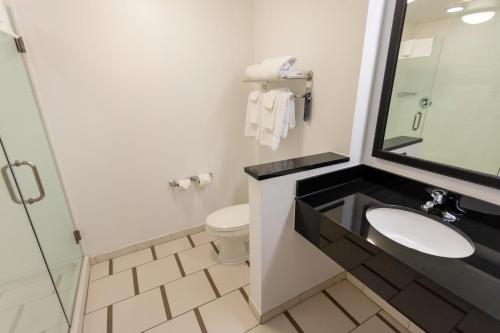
230 218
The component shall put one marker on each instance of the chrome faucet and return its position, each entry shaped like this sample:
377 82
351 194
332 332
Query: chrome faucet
440 198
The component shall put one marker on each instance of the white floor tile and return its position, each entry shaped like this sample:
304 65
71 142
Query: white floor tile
373 325
189 292
172 247
279 324
228 314
99 270
198 258
109 290
318 315
202 238
96 322
229 277
132 260
139 313
186 323
158 272
353 300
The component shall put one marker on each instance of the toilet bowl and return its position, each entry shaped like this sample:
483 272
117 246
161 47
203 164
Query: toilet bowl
230 225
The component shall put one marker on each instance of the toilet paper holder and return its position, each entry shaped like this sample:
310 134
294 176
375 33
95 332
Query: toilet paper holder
194 179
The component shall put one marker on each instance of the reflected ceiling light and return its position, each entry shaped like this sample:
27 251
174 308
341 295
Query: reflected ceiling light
478 18
410 1
455 9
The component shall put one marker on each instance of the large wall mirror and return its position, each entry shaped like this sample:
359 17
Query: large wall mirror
440 106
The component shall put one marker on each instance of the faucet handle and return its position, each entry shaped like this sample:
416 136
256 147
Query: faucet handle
439 196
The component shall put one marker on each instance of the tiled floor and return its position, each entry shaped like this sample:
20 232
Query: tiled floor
180 286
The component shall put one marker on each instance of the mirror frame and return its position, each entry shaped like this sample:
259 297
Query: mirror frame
383 114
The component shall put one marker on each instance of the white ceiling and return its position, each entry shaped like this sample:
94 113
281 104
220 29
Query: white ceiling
428 10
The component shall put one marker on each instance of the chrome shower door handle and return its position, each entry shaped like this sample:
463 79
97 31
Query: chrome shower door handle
38 180
8 183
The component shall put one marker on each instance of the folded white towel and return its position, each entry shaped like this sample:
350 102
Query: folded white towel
255 72
253 113
279 66
276 121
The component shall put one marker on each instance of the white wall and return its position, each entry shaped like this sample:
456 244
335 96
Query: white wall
327 37
135 93
372 94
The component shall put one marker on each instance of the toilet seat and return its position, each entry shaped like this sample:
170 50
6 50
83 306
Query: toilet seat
229 219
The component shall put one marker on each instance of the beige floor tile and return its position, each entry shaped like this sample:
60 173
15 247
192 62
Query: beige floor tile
158 272
189 292
202 238
318 314
229 277
198 258
373 325
353 300
132 260
175 246
279 324
96 322
109 290
99 270
228 314
139 313
394 322
186 323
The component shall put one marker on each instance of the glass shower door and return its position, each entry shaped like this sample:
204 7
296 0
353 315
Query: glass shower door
25 141
28 301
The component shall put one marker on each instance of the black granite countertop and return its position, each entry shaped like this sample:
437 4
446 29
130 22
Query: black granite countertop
439 294
294 165
400 142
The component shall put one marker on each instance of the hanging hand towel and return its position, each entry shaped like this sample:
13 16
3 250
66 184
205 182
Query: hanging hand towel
253 113
274 120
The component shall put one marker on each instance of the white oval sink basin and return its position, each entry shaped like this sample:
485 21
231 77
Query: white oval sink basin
420 232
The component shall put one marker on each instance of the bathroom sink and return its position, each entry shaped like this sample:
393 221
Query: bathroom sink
420 233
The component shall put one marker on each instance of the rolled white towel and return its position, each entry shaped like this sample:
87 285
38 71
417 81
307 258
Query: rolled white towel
255 72
280 66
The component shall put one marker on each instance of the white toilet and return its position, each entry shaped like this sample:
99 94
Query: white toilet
230 225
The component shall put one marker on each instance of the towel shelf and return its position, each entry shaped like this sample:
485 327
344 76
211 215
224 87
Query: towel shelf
307 96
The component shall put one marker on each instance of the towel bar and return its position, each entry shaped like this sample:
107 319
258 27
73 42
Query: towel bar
307 96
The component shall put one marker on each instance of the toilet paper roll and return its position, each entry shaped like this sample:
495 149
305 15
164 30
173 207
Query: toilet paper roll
184 183
204 179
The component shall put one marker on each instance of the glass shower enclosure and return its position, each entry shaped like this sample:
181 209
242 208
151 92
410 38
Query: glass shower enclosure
39 255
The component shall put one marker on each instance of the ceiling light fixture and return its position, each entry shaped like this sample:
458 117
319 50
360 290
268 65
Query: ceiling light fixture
478 18
455 9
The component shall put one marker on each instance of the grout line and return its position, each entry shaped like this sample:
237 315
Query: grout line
293 322
153 253
136 281
109 323
341 308
212 283
391 326
15 322
383 278
181 269
203 328
190 241
245 296
165 302
215 247
110 267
